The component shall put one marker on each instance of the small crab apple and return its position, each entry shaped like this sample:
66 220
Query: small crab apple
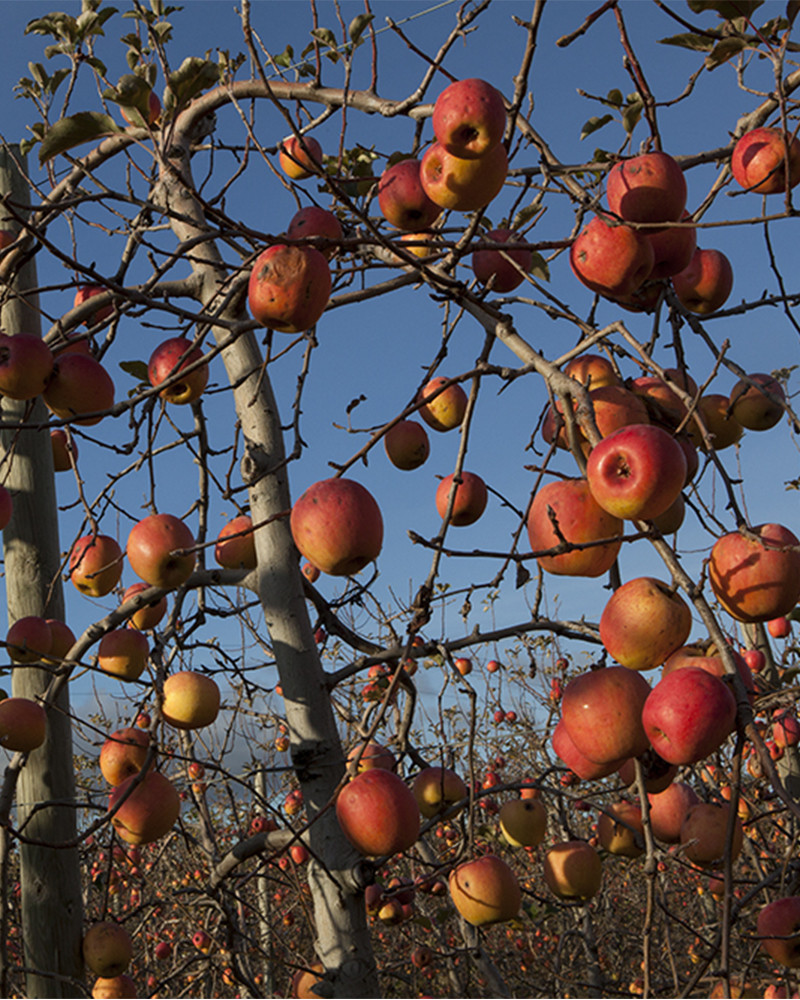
300 158
471 497
166 364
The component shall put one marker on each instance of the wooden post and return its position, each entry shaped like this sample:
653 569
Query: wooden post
52 908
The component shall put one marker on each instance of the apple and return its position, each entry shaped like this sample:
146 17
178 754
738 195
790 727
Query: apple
471 497
117 986
202 941
107 948
446 409
523 822
149 615
650 187
657 773
573 870
672 518
485 891
644 621
613 260
705 284
580 520
123 653
300 158
79 385
758 162
786 729
463 665
469 118
459 184
314 221
23 724
778 926
723 428
673 248
289 288
688 715
378 813
65 449
150 810
502 270
755 660
133 116
167 361
236 547
757 402
704 832
160 551
668 810
421 957
85 292
123 754
162 951
578 763
706 656
95 564
63 639
29 639
436 789
592 371
663 404
191 700
402 198
337 525
602 712
304 980
407 445
369 756
614 406
26 364
637 472
755 575
620 830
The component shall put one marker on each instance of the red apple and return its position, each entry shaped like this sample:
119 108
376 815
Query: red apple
613 260
85 292
63 639
757 402
29 639
463 665
123 754
23 724
446 409
503 270
758 162
485 891
95 564
578 763
160 551
369 756
337 525
463 185
436 789
673 248
378 813
723 428
706 656
402 198
704 833
647 188
602 712
166 363
289 288
236 547
756 575
705 284
116 986
786 729
79 385
149 812
471 497
644 621
469 118
580 520
592 371
191 700
573 870
300 157
26 364
663 404
107 948
620 830
778 926
313 221
64 446
668 810
407 445
149 615
123 653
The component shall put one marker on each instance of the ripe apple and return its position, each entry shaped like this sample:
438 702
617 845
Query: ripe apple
170 358
523 822
79 385
469 118
602 712
573 870
304 980
614 406
650 187
446 410
613 260
436 789
85 292
578 763
29 639
116 986
337 525
123 653
149 615
758 162
64 445
202 941
504 269
778 926
704 832
191 700
723 428
757 402
705 284
107 948
673 248
63 639
463 185
314 221
236 547
471 497
150 810
300 158
485 891
95 564
402 198
706 656
463 665
289 288
26 364
407 445
123 754
756 575
378 813
580 520
592 371
644 621
786 729
369 756
688 715
620 830
668 810
663 404
23 724
637 472
672 518
160 550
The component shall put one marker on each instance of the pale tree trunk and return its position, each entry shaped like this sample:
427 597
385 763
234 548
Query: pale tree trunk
342 936
52 909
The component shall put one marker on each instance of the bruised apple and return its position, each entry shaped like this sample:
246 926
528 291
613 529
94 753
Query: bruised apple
149 811
166 364
485 891
314 221
289 288
378 813
337 525
107 948
469 118
755 574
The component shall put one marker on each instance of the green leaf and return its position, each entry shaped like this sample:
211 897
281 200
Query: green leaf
614 97
594 123
286 58
138 369
326 36
723 51
523 216
193 76
97 64
631 116
539 268
357 27
131 91
56 80
75 130
728 9
38 73
699 43
60 48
